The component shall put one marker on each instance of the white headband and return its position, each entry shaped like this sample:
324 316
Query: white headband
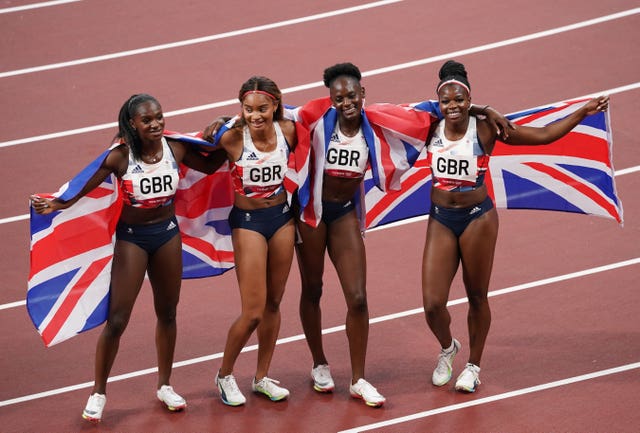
453 81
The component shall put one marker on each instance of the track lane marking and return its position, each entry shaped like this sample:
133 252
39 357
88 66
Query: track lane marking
326 331
195 41
36 6
379 71
497 397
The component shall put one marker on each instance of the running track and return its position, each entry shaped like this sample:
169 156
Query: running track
564 349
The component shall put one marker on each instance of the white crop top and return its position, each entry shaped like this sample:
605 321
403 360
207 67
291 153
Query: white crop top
458 165
259 174
346 156
151 185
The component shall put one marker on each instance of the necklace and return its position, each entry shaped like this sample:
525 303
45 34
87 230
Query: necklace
152 159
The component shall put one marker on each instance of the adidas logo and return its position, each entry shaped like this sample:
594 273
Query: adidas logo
137 169
475 210
252 157
171 225
334 137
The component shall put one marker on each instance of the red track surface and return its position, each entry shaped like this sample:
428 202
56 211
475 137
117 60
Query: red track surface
546 335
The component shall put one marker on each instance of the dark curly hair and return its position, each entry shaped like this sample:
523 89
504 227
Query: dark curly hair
126 132
341 69
452 70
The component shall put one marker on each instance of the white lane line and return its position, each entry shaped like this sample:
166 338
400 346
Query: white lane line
618 173
288 90
194 41
36 6
325 331
497 397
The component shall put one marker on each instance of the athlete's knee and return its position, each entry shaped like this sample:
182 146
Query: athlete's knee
478 299
357 302
252 318
434 308
116 324
273 305
167 316
312 292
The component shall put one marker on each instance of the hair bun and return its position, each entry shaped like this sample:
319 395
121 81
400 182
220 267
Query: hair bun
451 68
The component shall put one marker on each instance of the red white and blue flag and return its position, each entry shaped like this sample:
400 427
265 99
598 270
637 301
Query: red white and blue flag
395 136
72 249
572 174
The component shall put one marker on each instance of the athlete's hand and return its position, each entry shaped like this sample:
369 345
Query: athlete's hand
44 206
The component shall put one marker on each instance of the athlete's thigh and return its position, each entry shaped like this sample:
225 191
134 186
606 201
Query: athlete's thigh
310 252
279 259
250 256
477 246
439 262
165 272
347 252
127 274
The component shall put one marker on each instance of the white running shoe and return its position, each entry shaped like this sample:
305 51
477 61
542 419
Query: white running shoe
367 392
443 371
270 388
322 380
469 379
229 391
170 398
95 405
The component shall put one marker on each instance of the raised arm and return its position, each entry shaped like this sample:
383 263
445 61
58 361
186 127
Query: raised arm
528 135
111 164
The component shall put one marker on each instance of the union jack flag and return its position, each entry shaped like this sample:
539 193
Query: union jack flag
395 136
572 174
72 249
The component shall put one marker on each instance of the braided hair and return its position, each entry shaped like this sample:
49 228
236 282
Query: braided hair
126 132
341 69
453 72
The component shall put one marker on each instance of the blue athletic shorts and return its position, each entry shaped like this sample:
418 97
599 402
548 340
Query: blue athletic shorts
265 221
457 220
149 237
331 211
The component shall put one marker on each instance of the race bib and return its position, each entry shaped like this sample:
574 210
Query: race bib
454 167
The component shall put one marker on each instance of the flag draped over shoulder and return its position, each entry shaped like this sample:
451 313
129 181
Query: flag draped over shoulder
395 136
72 249
298 161
572 174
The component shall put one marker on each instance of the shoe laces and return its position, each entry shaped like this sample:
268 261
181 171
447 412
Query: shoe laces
96 401
444 362
322 373
470 374
229 383
267 383
169 395
472 369
366 389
